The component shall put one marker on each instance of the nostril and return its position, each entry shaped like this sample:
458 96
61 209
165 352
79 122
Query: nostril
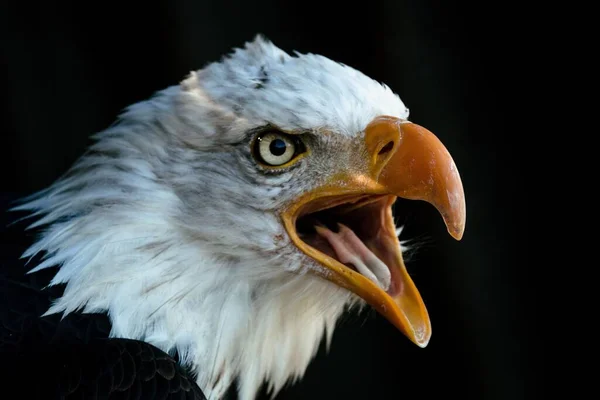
387 148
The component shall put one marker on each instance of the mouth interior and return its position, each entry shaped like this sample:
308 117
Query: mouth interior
358 232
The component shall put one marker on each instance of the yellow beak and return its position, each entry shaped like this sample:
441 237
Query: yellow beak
403 160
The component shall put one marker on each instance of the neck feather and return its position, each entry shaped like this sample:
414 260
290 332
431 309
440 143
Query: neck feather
246 317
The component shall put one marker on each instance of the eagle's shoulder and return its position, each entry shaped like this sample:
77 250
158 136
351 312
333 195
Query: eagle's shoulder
72 357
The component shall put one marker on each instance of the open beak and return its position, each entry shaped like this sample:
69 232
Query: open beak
347 225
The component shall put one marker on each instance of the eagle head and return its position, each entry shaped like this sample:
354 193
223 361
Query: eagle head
232 218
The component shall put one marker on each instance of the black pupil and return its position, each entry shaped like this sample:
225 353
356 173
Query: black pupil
277 147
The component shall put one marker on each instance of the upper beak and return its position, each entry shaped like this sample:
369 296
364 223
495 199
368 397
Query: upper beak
410 162
404 160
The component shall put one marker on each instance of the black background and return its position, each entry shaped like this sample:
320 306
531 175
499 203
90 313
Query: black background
68 70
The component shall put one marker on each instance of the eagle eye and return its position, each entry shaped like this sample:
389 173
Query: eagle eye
276 148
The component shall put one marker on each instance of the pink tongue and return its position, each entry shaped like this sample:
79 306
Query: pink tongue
349 249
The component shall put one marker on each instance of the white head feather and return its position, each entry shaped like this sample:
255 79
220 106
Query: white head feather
167 224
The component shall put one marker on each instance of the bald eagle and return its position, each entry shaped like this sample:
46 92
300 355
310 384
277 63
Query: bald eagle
233 218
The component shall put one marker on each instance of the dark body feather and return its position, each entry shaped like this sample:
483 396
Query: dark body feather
72 357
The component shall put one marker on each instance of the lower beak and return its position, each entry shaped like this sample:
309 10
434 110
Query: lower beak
404 160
